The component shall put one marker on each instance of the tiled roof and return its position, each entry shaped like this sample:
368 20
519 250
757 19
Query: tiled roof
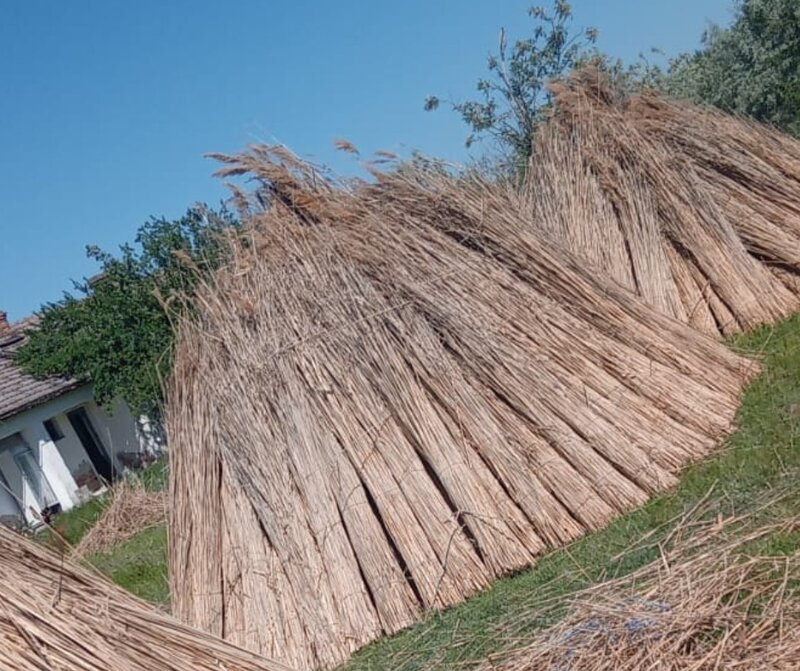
18 391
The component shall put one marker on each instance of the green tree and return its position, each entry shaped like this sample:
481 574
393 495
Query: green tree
114 329
752 67
514 94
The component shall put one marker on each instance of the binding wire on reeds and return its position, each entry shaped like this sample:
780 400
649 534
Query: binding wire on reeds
696 211
57 615
394 393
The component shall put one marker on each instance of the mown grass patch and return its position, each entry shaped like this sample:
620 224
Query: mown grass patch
139 565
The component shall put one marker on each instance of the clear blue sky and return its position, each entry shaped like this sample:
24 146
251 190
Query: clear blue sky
107 107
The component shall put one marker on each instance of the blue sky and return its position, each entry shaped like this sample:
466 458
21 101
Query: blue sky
107 107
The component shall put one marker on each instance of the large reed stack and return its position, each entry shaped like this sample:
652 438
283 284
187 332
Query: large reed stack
696 211
396 392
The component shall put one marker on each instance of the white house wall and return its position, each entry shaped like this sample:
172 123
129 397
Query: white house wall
71 450
52 464
66 460
29 425
9 507
121 434
37 415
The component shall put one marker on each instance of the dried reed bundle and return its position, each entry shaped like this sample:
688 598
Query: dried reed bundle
57 615
132 509
703 605
752 171
694 210
396 392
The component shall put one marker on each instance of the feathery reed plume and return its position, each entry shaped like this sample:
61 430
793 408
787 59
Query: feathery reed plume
346 146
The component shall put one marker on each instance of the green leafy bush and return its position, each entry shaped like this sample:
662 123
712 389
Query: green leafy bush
115 329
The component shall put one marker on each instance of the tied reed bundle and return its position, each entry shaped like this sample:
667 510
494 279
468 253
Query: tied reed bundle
696 211
394 393
57 615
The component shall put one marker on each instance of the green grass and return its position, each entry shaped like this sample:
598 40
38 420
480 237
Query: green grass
155 477
760 459
139 565
74 523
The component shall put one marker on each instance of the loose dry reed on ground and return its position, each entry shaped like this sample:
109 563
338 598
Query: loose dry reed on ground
57 615
132 509
705 604
696 211
394 393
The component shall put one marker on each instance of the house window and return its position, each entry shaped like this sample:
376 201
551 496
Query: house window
32 472
96 451
53 429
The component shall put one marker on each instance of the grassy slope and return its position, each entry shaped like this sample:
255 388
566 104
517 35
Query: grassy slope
761 457
73 524
140 564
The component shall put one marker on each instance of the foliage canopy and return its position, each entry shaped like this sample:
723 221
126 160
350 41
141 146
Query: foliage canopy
751 68
114 329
